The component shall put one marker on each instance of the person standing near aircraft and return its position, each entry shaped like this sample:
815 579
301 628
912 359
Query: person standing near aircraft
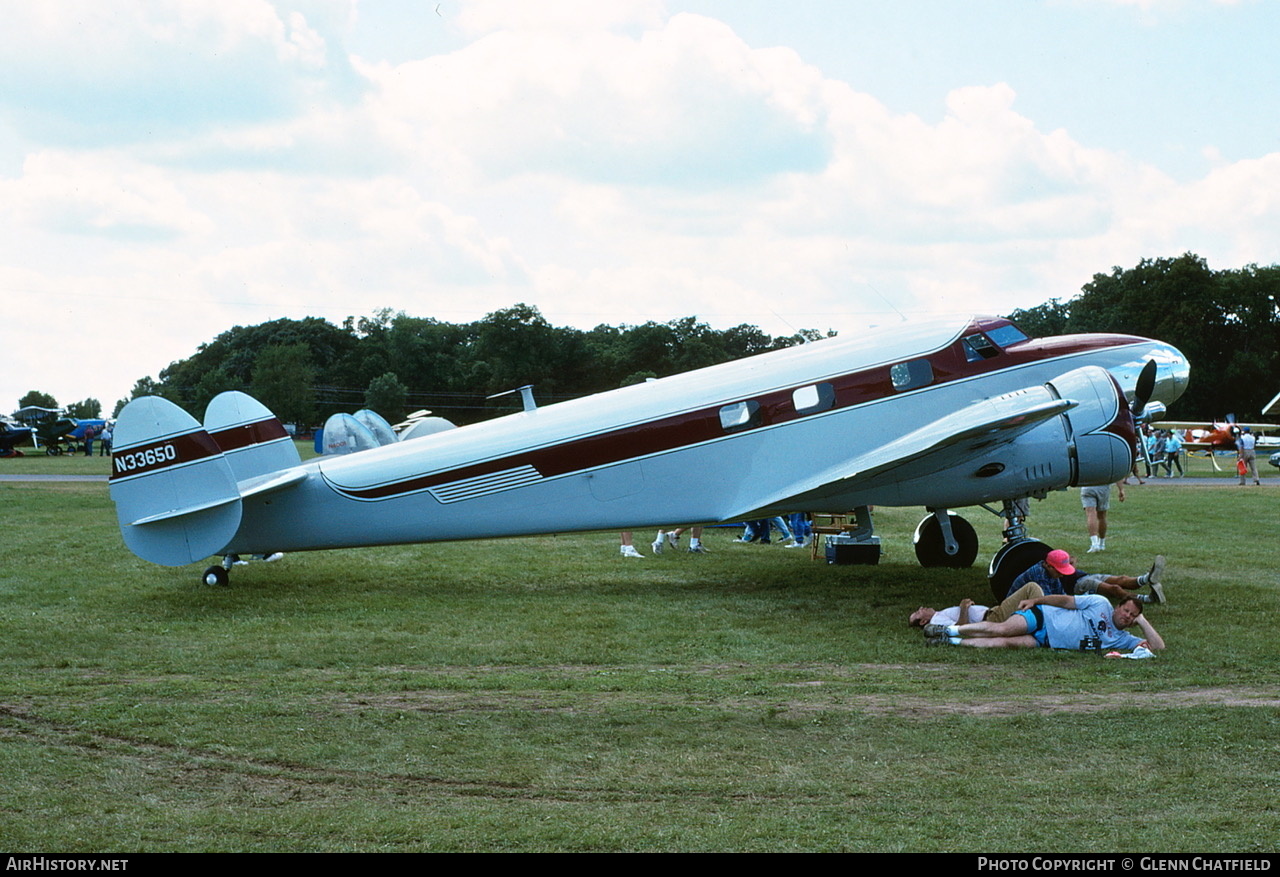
1155 447
1055 621
672 538
1172 453
1246 445
629 550
1096 501
1057 575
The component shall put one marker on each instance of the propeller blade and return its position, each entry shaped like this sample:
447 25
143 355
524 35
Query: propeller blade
1145 387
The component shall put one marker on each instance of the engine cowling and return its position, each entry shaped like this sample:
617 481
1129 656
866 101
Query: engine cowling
1101 436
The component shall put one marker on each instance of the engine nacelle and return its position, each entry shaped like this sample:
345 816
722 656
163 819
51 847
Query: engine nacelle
1090 443
1100 433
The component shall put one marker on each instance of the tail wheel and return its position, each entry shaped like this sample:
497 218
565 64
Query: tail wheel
1011 561
216 577
931 547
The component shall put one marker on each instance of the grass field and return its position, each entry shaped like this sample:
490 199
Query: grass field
546 694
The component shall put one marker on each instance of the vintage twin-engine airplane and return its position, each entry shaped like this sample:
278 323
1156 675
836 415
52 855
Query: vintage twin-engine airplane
940 415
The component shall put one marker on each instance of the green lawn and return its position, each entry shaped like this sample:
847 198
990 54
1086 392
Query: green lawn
546 694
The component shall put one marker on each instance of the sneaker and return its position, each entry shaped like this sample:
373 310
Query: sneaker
630 551
697 548
657 544
1153 575
1157 593
937 641
936 630
1093 549
673 540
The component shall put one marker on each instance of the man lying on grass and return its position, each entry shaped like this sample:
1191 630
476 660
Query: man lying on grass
969 611
1056 575
1055 621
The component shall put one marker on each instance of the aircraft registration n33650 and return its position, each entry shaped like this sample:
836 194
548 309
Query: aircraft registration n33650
941 415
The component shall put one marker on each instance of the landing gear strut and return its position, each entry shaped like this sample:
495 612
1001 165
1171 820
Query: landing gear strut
945 539
220 575
1016 556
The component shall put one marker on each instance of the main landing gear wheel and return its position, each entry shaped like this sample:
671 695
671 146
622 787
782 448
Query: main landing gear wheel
216 576
931 546
1012 560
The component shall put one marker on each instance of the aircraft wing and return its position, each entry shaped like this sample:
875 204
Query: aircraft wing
1186 424
934 447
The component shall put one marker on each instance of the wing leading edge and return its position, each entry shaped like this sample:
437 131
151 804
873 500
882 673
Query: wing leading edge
959 437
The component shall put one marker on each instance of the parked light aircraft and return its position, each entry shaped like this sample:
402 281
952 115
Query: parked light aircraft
12 435
1218 436
941 415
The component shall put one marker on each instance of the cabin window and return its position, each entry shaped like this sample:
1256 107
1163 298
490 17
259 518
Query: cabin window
813 398
911 375
740 415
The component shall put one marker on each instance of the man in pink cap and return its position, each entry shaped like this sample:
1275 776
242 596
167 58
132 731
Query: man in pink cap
1057 575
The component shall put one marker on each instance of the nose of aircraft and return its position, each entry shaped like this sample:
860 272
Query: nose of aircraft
1172 373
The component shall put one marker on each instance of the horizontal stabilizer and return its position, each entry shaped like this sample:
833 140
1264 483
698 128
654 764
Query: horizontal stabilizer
175 493
271 483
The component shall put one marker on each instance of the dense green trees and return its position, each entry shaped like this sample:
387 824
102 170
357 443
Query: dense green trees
37 398
305 370
1226 322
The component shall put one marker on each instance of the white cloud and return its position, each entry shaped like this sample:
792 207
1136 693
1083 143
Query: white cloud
131 70
685 105
603 161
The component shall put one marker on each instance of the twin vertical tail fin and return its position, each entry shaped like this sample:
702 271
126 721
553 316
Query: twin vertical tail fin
178 485
175 493
253 439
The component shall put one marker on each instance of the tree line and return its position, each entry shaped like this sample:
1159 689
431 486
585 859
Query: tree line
1226 322
305 370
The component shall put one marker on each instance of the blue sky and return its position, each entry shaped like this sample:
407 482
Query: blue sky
169 169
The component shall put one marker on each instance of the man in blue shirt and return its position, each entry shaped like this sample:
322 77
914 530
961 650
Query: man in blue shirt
1057 575
1055 621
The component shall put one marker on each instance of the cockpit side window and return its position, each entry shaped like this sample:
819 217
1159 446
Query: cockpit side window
1007 335
978 347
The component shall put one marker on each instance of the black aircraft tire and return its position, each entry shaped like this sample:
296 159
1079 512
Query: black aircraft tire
216 577
931 550
1011 561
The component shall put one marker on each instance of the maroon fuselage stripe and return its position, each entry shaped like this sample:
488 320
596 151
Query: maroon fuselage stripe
246 435
162 453
694 427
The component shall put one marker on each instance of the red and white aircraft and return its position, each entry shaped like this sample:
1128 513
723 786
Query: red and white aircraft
940 415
